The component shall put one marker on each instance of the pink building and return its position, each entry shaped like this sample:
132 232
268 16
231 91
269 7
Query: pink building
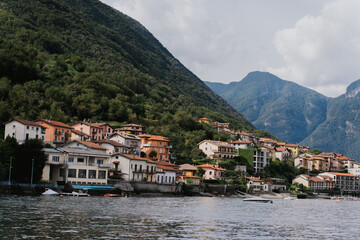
95 132
212 171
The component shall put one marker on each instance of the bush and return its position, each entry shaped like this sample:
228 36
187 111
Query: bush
214 181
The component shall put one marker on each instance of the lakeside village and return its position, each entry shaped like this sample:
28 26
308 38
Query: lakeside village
127 160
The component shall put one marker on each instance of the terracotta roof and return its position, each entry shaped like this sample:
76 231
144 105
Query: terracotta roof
135 157
281 143
241 142
280 149
305 175
292 145
95 125
169 168
316 179
91 145
254 179
211 166
187 166
79 133
111 142
154 137
54 123
132 125
26 122
218 143
342 174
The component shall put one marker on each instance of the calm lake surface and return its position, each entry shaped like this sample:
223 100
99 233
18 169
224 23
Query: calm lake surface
26 217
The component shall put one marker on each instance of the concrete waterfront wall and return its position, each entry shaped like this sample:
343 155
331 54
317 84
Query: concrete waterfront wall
156 188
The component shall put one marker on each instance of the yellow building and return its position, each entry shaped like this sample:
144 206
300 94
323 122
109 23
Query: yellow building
294 149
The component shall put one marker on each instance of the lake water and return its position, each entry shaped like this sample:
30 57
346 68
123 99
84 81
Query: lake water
26 217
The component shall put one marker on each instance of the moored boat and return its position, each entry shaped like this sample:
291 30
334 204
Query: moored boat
257 199
50 192
112 195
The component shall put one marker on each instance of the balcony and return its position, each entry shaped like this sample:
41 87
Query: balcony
58 133
147 145
144 171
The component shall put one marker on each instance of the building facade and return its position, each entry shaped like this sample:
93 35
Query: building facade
23 130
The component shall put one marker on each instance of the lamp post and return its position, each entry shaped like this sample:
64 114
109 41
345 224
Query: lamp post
10 170
32 172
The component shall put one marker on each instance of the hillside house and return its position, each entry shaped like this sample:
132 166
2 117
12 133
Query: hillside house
56 132
217 149
23 130
158 144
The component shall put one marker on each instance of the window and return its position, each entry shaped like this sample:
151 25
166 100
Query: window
80 160
92 174
27 136
55 158
62 172
82 173
37 129
100 161
165 178
71 160
102 174
27 127
32 128
13 126
36 136
42 137
72 173
210 172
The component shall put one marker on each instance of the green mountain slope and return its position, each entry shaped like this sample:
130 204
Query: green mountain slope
71 60
285 109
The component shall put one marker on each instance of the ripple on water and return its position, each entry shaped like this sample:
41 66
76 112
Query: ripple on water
174 218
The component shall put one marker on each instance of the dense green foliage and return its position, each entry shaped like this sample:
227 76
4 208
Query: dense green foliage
72 60
288 111
280 169
21 157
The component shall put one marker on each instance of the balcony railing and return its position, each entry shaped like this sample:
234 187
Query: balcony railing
144 171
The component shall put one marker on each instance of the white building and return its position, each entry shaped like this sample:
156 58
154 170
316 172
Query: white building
165 174
131 141
344 181
113 147
77 162
24 130
261 158
134 168
242 144
217 149
283 154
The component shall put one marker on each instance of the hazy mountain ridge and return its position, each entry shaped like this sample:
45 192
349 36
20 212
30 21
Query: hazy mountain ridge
297 114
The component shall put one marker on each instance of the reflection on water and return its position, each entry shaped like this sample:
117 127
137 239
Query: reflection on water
25 217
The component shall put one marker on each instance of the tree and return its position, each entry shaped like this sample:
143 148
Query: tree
200 172
315 151
153 154
8 149
28 154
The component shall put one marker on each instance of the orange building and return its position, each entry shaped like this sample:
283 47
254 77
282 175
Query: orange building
158 144
56 132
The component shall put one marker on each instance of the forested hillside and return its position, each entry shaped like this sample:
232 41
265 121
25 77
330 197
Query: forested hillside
70 60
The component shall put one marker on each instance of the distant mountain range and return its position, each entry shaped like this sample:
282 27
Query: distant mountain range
297 114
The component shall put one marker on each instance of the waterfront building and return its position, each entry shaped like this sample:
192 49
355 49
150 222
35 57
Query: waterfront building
131 128
188 174
23 130
318 163
56 132
255 184
77 162
323 182
303 179
344 181
131 141
134 168
302 161
166 172
158 144
217 149
212 171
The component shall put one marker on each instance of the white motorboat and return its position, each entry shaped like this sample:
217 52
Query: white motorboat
257 199
50 192
289 198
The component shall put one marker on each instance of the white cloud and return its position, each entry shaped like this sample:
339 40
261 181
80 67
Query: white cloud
322 52
185 27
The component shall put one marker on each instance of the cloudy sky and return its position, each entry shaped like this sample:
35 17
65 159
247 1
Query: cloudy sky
313 43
